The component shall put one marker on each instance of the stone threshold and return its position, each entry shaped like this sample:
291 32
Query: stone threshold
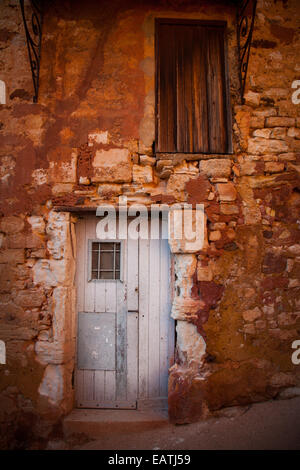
94 423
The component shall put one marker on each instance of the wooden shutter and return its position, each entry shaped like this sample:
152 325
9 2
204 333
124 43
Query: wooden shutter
193 115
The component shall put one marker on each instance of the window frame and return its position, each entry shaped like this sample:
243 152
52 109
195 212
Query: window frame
188 21
89 263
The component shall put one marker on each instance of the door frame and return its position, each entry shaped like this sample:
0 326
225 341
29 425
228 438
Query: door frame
140 403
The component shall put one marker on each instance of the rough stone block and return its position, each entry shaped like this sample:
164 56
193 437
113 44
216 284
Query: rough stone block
229 209
112 165
218 226
191 346
273 263
161 164
283 335
257 122
52 385
187 230
287 157
295 145
247 167
62 313
37 223
251 315
166 173
60 189
99 137
65 171
278 133
39 176
11 224
214 236
84 180
216 168
146 160
227 192
58 230
19 240
274 167
204 273
108 191
258 146
277 92
252 98
260 324
51 273
142 174
176 186
288 318
279 121
54 352
13 332
282 379
30 298
265 112
294 132
12 256
265 133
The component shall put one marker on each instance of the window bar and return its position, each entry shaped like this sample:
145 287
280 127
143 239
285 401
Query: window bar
99 260
114 261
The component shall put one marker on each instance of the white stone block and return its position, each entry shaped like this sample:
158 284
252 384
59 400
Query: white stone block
2 92
187 230
52 385
191 345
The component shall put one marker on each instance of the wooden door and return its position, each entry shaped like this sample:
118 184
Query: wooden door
125 334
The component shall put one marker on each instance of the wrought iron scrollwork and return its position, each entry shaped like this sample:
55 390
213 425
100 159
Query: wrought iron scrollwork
33 31
246 10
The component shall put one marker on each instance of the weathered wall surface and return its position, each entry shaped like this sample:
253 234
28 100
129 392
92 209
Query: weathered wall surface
90 139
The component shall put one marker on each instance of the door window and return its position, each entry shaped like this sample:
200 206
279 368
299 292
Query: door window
105 260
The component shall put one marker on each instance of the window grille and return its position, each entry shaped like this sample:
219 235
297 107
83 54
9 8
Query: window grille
105 260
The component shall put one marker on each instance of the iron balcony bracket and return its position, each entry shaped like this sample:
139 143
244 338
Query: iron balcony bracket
33 31
246 10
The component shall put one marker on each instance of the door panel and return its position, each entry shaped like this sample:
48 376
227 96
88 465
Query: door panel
103 379
125 338
96 343
156 327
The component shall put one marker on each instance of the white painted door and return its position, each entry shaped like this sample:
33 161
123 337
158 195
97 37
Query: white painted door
125 334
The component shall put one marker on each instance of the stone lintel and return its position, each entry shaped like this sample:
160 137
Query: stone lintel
191 156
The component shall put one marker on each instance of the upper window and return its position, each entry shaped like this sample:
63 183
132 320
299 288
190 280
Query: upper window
192 93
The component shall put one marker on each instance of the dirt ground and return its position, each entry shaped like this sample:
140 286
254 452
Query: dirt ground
269 425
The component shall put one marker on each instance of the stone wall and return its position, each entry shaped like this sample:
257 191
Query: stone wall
89 139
